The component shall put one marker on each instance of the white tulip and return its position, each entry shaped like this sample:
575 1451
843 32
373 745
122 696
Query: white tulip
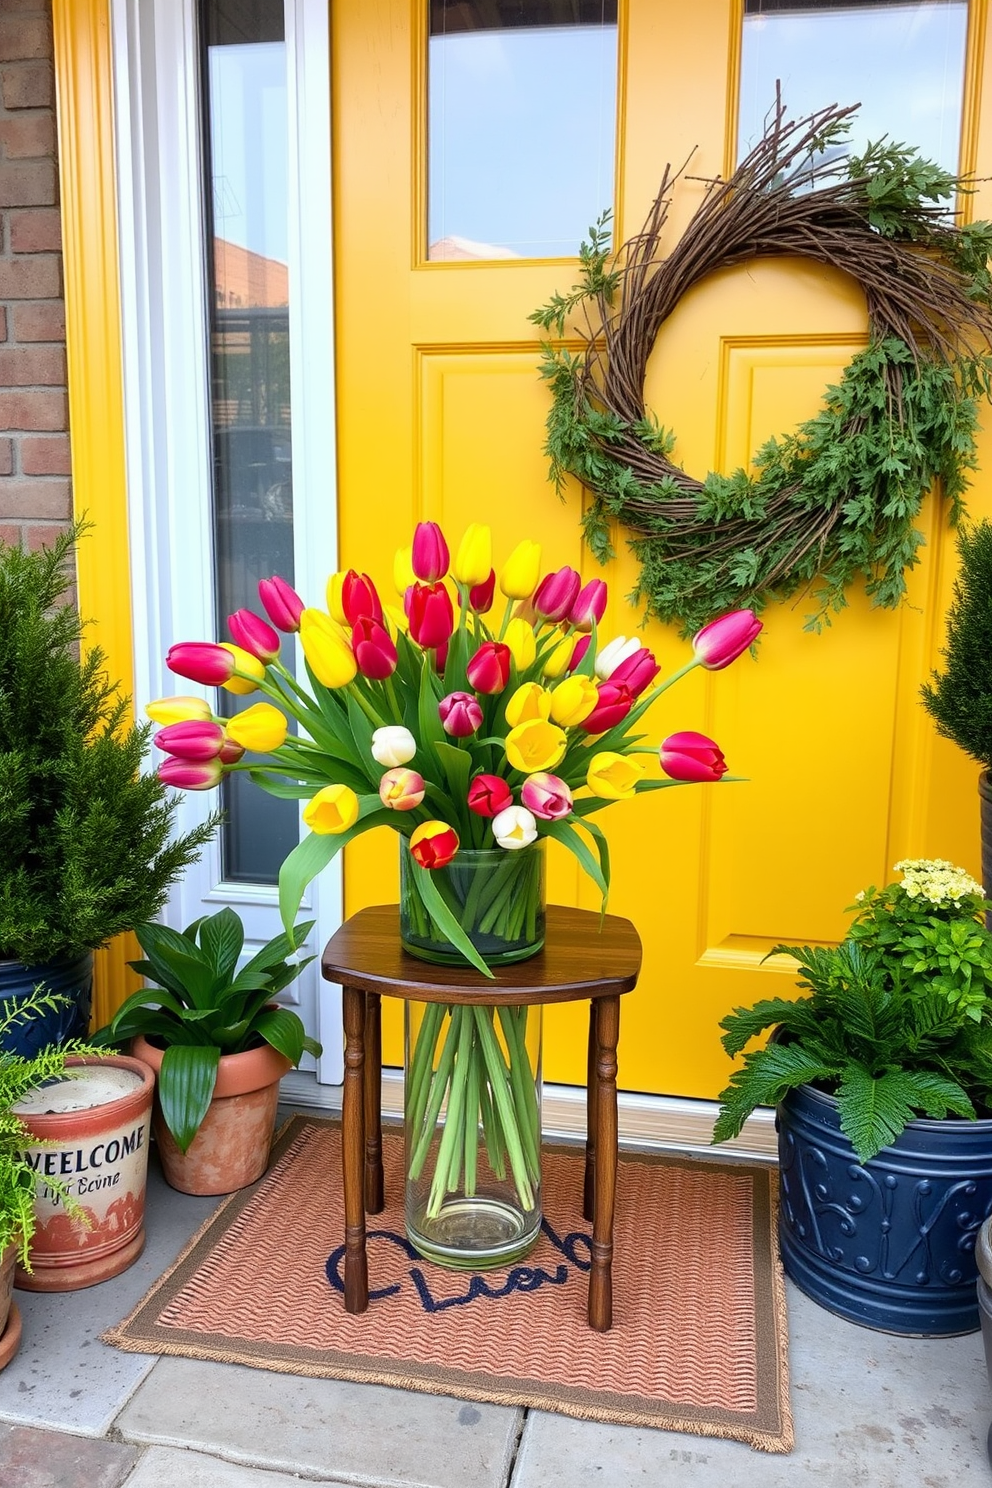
393 745
514 827
613 654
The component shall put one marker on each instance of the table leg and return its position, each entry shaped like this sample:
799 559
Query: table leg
601 1275
356 1270
374 1197
589 1185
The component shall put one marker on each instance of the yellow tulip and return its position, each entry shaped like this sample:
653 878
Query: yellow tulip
613 776
261 728
475 555
529 701
521 571
179 710
403 574
335 608
535 745
519 636
332 810
397 619
245 662
573 700
554 665
326 648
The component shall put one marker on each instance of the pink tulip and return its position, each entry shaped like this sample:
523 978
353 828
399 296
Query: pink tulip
460 714
201 661
615 702
360 599
723 640
429 558
690 756
581 647
373 648
281 603
488 795
489 669
194 739
254 635
481 596
430 614
638 671
191 774
401 789
556 594
589 606
546 796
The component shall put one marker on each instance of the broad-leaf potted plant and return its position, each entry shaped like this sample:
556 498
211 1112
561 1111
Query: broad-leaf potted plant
86 842
219 1046
882 1077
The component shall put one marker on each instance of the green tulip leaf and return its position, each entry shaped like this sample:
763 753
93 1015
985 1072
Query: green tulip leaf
445 919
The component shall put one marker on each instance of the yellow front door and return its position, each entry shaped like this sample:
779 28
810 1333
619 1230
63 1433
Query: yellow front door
441 416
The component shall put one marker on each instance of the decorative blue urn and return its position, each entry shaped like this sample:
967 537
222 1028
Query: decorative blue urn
72 978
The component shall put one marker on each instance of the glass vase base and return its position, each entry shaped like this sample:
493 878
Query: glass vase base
498 954
475 1234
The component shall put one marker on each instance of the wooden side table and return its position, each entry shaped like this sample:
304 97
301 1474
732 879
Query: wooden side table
579 961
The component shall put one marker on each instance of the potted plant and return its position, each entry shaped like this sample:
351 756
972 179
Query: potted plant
218 1044
85 839
959 699
882 1076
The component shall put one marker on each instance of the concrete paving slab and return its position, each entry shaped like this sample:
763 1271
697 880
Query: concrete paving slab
163 1467
870 1409
366 1435
48 1459
62 1375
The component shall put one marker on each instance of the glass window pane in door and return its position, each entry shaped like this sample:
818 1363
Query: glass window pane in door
521 125
902 60
247 168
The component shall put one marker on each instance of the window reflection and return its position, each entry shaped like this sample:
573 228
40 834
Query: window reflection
503 78
903 60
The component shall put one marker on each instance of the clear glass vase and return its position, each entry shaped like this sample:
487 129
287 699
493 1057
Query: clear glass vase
473 1132
495 894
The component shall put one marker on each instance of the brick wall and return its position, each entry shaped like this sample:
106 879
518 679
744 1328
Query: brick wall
34 440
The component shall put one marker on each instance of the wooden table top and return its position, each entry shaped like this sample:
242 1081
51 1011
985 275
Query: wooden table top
580 960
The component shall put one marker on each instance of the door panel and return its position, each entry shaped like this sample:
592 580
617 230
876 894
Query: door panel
441 416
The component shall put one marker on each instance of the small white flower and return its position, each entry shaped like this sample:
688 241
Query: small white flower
514 827
393 745
613 654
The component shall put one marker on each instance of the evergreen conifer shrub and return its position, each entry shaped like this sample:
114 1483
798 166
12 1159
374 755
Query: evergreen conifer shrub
960 698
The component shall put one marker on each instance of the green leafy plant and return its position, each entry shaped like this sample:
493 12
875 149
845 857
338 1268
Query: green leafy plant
19 1181
960 698
204 1006
86 843
898 1020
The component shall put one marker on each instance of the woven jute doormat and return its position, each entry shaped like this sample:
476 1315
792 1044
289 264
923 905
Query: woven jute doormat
698 1342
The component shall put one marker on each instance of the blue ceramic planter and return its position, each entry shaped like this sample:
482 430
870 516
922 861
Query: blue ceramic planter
890 1244
73 979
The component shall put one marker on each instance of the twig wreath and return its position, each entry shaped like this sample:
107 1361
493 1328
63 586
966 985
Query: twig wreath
838 497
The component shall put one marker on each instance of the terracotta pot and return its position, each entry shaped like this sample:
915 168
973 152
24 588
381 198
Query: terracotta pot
10 1318
96 1132
231 1149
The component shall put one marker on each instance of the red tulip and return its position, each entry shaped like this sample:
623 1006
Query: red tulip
431 616
254 635
723 640
191 774
556 594
638 671
373 648
201 661
489 669
690 756
231 752
460 714
433 844
359 598
194 739
615 702
480 596
429 557
546 796
581 647
488 795
281 603
589 606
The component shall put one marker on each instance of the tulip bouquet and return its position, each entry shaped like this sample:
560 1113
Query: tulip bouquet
465 728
